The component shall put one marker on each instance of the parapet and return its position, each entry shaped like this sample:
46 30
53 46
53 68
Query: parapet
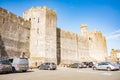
68 34
83 26
10 17
3 11
44 8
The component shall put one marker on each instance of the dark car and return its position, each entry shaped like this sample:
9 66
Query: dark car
76 65
90 64
48 66
5 66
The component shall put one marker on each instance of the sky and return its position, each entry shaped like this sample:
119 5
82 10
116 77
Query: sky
101 15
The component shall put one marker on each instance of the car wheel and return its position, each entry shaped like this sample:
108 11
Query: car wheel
78 67
40 68
13 69
49 68
24 70
94 68
108 69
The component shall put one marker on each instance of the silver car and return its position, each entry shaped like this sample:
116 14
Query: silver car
106 66
48 66
5 66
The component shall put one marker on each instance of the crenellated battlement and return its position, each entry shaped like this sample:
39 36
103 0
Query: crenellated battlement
7 16
37 9
68 34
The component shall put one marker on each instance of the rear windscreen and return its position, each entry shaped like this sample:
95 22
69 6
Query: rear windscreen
23 60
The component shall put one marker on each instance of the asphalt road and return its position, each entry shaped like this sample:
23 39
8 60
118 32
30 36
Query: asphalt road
63 74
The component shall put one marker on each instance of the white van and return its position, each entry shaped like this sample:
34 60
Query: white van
19 64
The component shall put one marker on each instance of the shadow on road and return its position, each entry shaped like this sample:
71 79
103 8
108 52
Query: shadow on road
16 72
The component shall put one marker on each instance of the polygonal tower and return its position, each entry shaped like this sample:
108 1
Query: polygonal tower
42 34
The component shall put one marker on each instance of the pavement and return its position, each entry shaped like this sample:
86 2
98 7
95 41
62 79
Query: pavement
63 74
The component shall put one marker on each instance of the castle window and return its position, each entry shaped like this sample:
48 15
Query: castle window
37 30
3 20
90 38
29 19
38 20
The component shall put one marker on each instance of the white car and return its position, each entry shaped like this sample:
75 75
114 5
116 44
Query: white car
19 64
106 66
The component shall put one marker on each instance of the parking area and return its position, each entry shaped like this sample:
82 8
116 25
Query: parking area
63 74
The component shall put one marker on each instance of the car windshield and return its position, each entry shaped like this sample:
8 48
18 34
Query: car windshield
0 62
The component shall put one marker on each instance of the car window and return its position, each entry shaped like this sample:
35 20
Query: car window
99 63
53 63
5 62
11 60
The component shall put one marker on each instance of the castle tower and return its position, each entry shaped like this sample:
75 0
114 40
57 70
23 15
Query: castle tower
43 34
83 29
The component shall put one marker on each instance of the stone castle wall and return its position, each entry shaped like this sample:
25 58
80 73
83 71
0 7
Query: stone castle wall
14 35
38 33
83 48
50 35
68 47
97 45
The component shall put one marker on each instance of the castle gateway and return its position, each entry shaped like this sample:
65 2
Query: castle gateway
44 42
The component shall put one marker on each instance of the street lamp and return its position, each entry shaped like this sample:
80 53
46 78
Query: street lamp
118 57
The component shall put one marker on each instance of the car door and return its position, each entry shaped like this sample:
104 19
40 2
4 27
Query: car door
100 66
104 66
42 66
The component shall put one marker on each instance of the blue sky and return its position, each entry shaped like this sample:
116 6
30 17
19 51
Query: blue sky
102 15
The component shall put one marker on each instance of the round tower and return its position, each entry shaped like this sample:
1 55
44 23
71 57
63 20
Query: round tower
83 29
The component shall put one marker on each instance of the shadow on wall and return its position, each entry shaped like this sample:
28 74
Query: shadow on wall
3 53
58 46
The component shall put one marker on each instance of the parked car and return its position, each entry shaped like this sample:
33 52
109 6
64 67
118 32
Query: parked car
48 66
85 64
76 65
105 66
5 66
90 64
116 63
19 64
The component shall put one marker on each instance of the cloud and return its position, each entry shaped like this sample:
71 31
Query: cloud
114 35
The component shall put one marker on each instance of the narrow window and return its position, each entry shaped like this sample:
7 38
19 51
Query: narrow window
38 30
90 38
3 20
38 20
29 19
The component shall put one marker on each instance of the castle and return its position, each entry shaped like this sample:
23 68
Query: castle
38 36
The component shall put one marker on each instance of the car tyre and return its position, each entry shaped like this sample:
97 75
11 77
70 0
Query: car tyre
94 68
13 69
49 68
24 71
40 68
108 69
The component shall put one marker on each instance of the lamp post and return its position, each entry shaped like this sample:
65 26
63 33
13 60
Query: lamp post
118 57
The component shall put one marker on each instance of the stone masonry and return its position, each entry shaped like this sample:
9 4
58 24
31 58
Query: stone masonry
14 35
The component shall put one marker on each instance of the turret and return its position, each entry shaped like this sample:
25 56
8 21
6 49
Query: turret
83 29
